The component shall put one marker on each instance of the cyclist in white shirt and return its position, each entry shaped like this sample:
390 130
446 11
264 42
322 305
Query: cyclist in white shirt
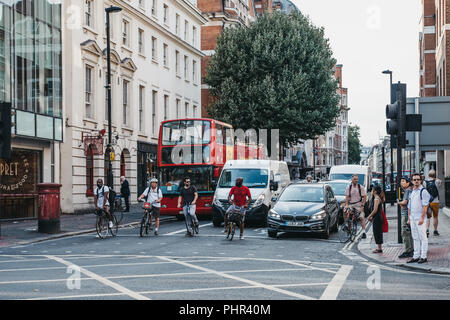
154 196
101 194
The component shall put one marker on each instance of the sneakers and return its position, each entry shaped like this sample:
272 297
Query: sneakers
111 225
421 260
436 233
413 260
188 234
428 233
405 255
156 233
364 236
241 237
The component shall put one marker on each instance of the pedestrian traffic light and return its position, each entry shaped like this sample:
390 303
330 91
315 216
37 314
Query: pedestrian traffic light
393 113
5 130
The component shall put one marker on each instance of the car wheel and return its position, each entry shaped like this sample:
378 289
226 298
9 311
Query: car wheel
272 234
336 225
216 223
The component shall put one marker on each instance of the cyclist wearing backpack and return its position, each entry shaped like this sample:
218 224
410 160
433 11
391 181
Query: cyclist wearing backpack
101 199
153 195
355 198
432 186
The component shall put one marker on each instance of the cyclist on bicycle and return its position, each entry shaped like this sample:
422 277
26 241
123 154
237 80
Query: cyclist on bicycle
153 195
355 199
240 194
190 195
101 194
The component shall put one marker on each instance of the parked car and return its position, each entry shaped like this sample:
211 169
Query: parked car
339 187
304 208
264 178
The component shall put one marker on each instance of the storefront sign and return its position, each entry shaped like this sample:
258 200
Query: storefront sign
18 174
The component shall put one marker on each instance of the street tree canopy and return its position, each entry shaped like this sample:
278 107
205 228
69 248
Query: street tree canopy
276 74
354 145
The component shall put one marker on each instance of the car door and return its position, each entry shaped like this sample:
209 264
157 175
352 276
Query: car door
334 206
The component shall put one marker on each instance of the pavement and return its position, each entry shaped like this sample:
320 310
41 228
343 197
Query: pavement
438 246
23 232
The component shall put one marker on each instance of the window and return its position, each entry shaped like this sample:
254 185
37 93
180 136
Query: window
125 33
177 62
186 67
330 142
125 101
330 160
344 100
166 107
194 113
154 96
165 55
89 13
194 71
186 110
177 24
141 41
141 108
154 49
142 3
90 171
177 107
154 4
88 92
186 27
166 14
194 36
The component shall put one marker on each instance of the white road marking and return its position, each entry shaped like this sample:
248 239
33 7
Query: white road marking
184 230
334 287
102 280
253 283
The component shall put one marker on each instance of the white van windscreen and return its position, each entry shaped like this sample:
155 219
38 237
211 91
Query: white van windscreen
347 176
253 178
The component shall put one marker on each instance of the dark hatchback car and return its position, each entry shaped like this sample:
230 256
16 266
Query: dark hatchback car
304 208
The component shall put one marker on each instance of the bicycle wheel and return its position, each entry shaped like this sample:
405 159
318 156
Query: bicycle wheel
354 230
119 214
115 226
344 232
101 226
144 225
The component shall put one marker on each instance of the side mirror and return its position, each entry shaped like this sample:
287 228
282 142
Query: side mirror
273 186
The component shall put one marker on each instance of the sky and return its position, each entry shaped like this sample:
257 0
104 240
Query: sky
367 37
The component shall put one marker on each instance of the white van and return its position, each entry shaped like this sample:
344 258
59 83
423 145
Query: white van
345 172
264 178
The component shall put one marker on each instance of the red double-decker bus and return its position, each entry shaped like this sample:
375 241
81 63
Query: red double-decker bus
198 149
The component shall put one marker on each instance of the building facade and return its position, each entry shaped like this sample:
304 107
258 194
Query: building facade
155 76
31 80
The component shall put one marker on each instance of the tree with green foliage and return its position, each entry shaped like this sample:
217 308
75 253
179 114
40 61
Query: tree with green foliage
276 74
354 145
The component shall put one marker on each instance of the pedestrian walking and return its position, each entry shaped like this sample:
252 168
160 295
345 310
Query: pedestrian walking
417 217
406 228
376 217
432 185
125 192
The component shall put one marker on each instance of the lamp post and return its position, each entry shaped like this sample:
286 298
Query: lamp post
389 72
109 10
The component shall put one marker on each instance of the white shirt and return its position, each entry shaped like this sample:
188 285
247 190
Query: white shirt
153 196
100 193
415 204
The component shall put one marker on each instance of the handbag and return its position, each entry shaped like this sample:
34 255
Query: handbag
385 222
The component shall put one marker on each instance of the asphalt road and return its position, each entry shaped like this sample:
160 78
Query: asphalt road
207 267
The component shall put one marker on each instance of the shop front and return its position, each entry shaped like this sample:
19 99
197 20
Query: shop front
146 164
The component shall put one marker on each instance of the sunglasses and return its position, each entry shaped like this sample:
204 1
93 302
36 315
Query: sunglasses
417 179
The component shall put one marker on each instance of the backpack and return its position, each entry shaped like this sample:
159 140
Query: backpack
432 189
350 191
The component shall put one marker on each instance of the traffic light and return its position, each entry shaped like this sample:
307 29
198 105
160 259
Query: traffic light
5 130
393 113
396 113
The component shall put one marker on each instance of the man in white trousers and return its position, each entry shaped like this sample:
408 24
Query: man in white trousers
418 203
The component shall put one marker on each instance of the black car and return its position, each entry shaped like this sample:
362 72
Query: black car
304 208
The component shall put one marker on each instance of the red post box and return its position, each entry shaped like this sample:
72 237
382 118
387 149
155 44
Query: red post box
49 208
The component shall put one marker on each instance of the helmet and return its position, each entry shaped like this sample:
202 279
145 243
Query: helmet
154 180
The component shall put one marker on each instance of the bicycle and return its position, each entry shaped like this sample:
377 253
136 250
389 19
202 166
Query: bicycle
190 222
118 208
146 221
234 220
102 224
347 231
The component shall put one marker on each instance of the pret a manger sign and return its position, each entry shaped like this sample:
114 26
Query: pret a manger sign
17 174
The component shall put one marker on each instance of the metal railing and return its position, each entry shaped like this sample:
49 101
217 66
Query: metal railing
18 206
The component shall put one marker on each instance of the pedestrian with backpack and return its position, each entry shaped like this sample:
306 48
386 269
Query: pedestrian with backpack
418 203
355 198
432 186
154 196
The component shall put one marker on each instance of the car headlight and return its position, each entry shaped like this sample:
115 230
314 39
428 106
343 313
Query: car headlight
319 215
259 201
274 215
217 202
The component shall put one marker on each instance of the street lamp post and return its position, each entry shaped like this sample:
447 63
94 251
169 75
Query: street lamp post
109 10
392 152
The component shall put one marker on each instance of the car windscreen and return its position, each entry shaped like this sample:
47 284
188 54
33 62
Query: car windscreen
253 178
302 194
347 176
339 188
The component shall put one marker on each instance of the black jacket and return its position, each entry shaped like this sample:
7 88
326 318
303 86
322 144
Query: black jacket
125 188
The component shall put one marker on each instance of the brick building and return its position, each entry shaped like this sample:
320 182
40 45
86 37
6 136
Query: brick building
262 6
428 42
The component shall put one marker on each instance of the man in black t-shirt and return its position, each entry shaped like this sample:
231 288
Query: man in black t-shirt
190 195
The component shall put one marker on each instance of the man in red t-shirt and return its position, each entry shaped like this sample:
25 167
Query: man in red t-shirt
240 194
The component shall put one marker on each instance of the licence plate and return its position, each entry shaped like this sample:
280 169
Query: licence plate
295 224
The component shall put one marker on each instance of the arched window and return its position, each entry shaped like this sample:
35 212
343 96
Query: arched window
90 171
122 164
